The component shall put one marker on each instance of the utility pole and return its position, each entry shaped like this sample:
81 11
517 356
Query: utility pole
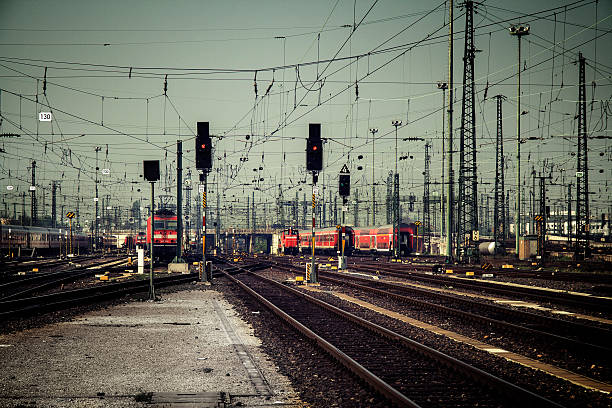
188 189
356 209
542 218
23 211
426 216
179 203
97 149
396 212
450 199
468 184
499 214
33 206
54 205
330 206
373 131
532 223
304 211
518 31
443 86
582 249
281 209
248 212
569 214
253 217
218 227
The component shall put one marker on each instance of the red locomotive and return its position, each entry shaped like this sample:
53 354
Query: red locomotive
165 234
289 241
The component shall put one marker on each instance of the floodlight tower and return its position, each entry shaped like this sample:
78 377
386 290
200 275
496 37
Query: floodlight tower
518 31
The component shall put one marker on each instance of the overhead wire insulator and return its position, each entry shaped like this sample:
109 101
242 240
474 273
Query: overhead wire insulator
272 83
255 84
45 83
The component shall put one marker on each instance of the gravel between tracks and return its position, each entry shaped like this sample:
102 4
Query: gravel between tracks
320 381
541 383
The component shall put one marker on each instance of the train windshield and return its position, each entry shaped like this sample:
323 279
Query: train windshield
165 224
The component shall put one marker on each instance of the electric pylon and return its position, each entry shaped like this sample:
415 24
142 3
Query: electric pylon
582 248
499 212
468 204
426 215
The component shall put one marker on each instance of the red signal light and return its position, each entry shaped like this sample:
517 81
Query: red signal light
314 147
203 146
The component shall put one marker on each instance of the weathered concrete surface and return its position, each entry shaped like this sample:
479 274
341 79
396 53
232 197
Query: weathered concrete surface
114 357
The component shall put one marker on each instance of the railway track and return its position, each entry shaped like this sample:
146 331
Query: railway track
584 301
66 299
10 270
407 373
33 283
563 343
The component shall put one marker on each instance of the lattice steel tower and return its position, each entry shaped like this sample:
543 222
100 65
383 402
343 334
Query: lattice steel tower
582 248
468 204
499 212
426 215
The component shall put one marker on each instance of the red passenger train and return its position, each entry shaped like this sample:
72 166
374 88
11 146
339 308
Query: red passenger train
376 240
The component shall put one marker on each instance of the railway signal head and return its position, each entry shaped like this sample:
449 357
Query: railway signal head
344 185
314 148
203 147
151 170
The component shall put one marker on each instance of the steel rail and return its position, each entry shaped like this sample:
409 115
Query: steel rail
509 390
585 301
65 299
517 328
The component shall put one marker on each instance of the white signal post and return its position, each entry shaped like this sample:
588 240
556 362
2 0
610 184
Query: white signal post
151 286
70 216
342 237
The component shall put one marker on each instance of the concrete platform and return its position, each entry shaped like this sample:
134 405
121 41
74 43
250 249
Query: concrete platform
190 349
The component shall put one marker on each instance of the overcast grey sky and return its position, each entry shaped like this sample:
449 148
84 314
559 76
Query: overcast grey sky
106 64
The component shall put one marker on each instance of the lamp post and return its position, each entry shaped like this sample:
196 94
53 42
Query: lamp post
396 214
443 86
518 31
373 131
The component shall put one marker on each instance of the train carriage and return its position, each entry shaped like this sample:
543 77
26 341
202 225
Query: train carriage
41 240
327 240
381 240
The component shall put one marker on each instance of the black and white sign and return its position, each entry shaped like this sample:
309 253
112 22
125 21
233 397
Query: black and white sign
44 116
